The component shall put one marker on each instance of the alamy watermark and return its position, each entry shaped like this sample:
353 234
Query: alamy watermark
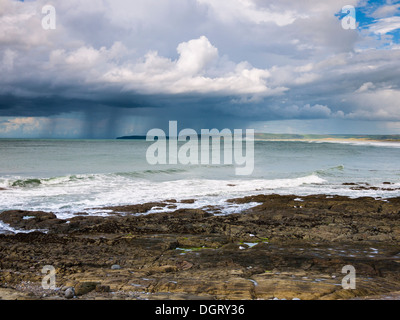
349 20
349 281
49 280
49 20
197 148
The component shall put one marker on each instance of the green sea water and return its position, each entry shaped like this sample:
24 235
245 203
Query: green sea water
67 176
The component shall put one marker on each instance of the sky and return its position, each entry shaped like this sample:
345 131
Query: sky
110 68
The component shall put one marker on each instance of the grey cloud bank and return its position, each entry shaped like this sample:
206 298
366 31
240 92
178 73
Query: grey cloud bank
117 67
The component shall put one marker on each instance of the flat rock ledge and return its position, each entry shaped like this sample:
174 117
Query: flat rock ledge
286 247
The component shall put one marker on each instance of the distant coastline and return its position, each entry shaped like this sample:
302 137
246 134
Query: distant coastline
297 137
132 138
327 137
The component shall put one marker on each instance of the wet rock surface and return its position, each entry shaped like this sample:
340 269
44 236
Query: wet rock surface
285 247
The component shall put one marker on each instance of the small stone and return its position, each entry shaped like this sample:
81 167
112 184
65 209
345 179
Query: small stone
85 287
115 267
69 293
101 288
184 265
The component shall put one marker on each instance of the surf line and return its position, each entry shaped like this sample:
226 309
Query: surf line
188 153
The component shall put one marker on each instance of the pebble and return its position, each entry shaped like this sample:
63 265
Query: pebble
69 293
115 267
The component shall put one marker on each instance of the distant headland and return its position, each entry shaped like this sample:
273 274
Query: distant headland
289 136
132 138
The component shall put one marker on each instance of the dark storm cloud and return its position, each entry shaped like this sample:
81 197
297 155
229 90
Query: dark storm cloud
204 63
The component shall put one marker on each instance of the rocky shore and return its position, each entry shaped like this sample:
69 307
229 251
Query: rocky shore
286 247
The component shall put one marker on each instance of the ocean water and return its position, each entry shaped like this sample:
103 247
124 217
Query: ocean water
70 176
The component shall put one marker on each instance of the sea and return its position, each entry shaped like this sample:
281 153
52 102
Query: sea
71 176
